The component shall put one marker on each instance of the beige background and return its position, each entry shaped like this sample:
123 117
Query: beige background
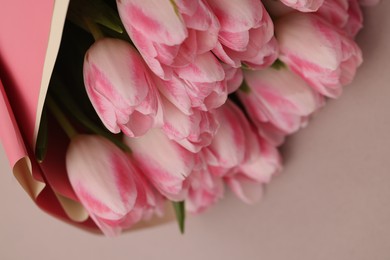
331 202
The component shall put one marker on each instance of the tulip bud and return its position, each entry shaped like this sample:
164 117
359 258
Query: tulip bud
149 201
169 34
205 190
239 156
317 51
245 35
278 97
200 85
164 162
228 148
263 161
119 87
193 131
344 14
103 180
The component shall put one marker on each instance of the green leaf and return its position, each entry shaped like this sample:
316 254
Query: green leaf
245 88
42 139
62 95
245 66
278 64
96 10
180 214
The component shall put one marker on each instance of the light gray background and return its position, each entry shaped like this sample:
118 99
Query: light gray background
331 202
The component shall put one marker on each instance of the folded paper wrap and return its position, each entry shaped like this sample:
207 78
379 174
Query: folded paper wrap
30 36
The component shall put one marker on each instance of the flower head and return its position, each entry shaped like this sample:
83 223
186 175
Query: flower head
119 87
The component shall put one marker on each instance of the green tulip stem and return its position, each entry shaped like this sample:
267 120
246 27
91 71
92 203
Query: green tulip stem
93 29
61 118
180 213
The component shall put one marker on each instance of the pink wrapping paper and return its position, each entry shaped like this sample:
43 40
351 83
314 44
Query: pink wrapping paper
30 36
24 50
23 42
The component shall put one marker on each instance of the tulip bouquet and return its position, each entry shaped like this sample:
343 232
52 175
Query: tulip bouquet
174 101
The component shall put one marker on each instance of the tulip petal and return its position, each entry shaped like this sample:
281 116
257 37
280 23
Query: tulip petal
228 146
205 190
247 190
328 62
165 163
236 41
205 68
237 15
118 83
175 91
304 5
158 18
193 131
101 176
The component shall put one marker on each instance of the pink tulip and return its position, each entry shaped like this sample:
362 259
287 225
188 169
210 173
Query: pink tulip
245 35
148 203
271 133
355 21
204 191
304 5
169 34
318 52
104 181
119 87
344 14
265 57
239 156
278 97
228 149
233 77
335 12
193 132
263 161
164 162
200 85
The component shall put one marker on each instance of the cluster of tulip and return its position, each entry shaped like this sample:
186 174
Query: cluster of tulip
204 94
